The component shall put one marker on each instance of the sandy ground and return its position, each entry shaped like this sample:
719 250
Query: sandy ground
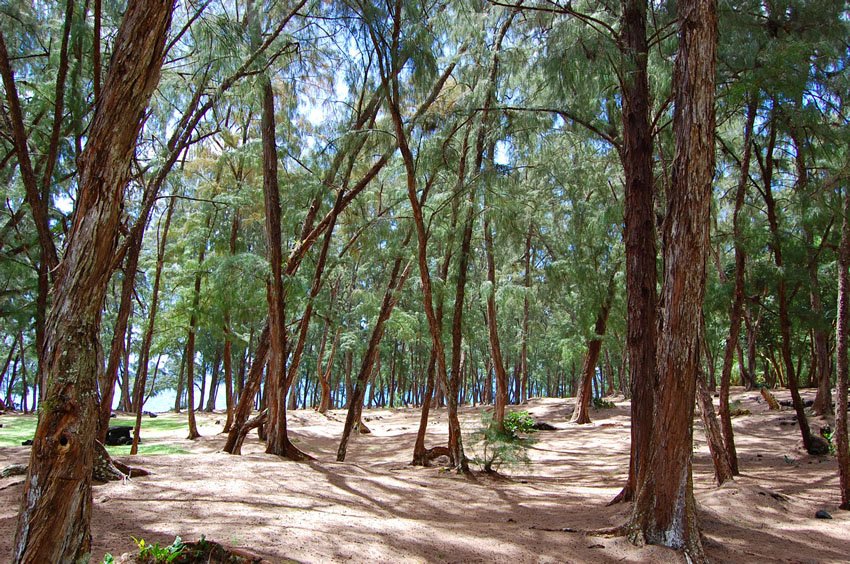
377 508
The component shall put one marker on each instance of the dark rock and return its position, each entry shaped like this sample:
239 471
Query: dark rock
27 442
818 446
543 426
150 414
824 431
112 415
789 403
118 435
822 514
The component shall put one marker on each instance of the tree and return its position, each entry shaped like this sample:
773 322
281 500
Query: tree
665 509
55 515
841 442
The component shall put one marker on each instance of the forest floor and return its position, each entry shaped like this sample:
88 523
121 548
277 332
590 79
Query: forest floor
377 508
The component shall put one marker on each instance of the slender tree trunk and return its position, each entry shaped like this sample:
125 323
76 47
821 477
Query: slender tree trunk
144 353
190 341
213 383
736 310
178 400
641 253
841 442
228 339
782 291
581 415
493 331
719 455
665 509
355 404
391 87
116 352
233 445
55 514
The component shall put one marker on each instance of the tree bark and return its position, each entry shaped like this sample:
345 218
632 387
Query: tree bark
719 455
737 307
144 353
782 291
841 441
581 415
233 445
665 509
116 351
639 235
55 515
190 341
355 404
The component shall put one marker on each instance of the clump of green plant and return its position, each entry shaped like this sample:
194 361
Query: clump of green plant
599 403
155 554
736 409
828 433
494 447
108 559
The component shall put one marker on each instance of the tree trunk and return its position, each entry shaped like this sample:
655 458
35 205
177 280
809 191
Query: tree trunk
55 515
213 383
144 353
665 509
782 298
493 332
639 235
390 83
276 384
355 404
581 415
233 445
190 341
719 455
116 351
841 442
736 310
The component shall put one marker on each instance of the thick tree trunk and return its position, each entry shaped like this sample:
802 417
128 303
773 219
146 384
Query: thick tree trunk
665 509
736 310
581 415
841 442
144 353
54 520
641 253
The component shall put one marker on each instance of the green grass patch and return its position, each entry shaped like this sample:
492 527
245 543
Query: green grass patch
144 449
16 429
19 428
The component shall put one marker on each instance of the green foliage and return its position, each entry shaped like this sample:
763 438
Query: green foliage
108 559
600 403
494 447
155 554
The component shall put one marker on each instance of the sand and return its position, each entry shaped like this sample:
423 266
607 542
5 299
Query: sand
377 508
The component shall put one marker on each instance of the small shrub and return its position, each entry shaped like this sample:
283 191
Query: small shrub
155 554
108 559
495 447
828 434
599 403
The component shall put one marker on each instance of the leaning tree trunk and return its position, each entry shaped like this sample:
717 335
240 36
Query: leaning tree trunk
639 235
355 404
116 351
841 442
581 414
144 353
233 445
55 516
665 509
736 311
782 293
719 455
